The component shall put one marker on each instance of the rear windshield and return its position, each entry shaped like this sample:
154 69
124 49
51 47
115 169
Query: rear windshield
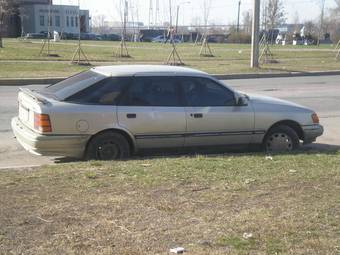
73 84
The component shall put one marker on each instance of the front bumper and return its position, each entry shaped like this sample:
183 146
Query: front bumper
49 145
311 132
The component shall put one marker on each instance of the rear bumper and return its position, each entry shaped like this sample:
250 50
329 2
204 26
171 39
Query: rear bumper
310 133
49 145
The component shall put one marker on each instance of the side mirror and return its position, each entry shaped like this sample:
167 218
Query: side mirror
242 101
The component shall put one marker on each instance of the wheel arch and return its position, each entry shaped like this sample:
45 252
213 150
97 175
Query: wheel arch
290 123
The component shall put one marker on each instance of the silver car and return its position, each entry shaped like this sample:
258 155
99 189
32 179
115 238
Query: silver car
112 112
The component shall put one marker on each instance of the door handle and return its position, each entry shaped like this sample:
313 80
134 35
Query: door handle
131 115
197 115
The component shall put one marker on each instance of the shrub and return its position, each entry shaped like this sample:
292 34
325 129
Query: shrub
239 37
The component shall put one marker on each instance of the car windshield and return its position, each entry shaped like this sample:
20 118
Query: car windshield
71 85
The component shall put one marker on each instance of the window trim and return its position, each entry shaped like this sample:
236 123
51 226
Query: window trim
42 20
57 20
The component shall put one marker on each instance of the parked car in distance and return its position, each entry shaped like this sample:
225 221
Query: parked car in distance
111 37
112 112
162 39
36 36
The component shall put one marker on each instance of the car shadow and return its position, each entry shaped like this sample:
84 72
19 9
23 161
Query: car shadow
315 148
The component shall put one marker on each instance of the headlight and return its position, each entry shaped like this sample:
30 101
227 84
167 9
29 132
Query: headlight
315 118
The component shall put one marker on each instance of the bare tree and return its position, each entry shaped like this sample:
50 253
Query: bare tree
333 22
99 24
247 21
296 21
311 28
336 10
274 14
7 8
23 15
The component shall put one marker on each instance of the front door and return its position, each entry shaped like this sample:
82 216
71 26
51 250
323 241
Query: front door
151 110
213 118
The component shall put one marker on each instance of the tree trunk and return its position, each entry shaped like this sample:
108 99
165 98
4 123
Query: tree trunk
1 43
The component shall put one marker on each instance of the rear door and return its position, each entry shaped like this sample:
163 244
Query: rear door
152 111
213 118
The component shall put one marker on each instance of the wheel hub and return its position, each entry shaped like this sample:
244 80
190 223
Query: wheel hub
279 142
108 151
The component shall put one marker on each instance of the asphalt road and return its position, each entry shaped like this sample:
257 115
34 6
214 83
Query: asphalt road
319 93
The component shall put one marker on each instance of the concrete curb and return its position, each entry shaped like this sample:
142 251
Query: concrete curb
44 81
273 75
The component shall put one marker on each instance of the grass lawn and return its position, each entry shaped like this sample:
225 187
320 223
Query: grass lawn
226 204
229 58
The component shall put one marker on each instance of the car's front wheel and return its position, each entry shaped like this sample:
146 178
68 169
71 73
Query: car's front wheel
281 139
107 146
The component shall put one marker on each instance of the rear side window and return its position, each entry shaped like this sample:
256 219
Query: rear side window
68 87
152 91
104 92
203 92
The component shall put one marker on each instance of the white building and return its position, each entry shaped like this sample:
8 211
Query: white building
63 18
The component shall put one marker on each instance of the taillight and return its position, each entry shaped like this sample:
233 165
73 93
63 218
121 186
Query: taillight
315 118
42 122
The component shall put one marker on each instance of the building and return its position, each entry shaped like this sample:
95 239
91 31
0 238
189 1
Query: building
31 16
22 2
63 18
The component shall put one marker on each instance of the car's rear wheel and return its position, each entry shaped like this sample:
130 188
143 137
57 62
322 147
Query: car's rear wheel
281 139
107 146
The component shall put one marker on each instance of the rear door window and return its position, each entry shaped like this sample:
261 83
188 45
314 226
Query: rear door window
105 92
67 87
153 91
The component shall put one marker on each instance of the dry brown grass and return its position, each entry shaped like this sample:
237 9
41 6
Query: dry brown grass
291 205
21 58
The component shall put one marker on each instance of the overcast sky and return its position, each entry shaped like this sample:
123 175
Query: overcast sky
221 11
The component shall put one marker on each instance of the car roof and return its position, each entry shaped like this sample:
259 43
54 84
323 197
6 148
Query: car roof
141 70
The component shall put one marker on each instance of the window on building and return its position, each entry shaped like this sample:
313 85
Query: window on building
42 21
57 21
76 21
51 23
67 21
72 21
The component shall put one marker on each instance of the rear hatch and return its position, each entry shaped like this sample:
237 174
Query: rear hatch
30 102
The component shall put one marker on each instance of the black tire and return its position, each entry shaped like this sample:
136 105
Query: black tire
286 134
107 146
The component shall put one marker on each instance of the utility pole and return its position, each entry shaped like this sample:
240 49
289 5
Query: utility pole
255 35
150 13
49 28
157 13
170 13
238 17
177 19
